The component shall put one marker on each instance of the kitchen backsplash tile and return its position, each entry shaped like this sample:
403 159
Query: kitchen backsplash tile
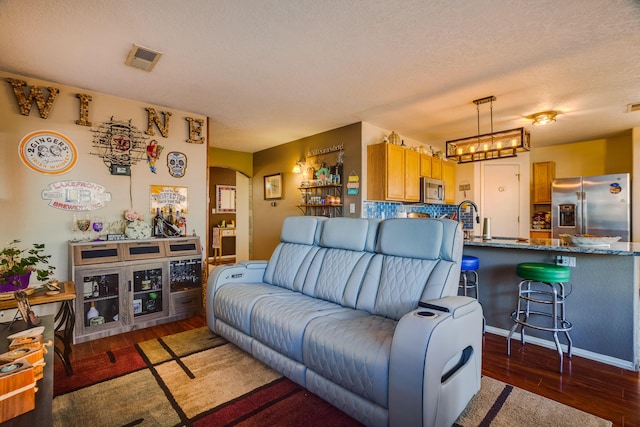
385 210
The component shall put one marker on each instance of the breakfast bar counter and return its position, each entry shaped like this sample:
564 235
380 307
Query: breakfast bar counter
603 294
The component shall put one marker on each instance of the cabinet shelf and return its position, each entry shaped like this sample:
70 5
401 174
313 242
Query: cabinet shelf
102 298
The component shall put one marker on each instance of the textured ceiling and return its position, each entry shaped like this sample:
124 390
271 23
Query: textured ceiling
271 71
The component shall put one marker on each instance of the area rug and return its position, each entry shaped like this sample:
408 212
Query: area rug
196 378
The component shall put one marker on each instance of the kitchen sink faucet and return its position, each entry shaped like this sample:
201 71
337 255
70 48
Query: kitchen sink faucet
474 206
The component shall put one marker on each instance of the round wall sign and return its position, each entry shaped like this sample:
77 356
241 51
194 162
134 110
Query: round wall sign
48 152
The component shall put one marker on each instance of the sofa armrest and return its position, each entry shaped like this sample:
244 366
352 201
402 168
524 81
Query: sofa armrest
244 272
435 363
457 305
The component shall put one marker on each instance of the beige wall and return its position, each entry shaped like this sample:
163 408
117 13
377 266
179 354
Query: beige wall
269 214
597 157
27 217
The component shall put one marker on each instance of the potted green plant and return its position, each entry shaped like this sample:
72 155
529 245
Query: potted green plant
16 266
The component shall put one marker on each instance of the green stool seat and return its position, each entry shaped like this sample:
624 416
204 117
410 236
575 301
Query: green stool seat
540 272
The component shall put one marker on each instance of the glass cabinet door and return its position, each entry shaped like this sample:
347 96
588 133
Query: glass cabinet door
185 274
146 290
100 298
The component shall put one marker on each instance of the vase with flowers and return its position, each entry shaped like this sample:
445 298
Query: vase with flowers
136 227
16 266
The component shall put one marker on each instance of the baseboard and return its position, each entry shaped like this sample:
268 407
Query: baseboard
613 361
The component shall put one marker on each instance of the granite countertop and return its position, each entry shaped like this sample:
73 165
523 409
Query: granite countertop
618 248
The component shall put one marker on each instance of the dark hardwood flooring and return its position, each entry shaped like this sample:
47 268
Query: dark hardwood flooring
608 392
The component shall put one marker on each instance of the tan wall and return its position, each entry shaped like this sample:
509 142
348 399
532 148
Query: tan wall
268 215
597 157
28 217
635 189
236 160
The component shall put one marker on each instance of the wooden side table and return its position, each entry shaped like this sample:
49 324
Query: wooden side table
64 321
219 233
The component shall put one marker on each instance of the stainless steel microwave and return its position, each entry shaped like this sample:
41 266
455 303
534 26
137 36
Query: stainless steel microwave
431 190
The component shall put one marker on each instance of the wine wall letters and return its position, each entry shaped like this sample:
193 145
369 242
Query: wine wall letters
45 105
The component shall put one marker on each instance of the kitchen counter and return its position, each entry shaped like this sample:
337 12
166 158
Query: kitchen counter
618 248
602 302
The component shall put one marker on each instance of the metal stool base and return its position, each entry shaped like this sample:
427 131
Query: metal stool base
523 316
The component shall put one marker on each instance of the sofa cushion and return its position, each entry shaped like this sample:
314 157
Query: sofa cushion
410 238
290 260
234 303
416 260
345 233
300 229
280 321
289 265
336 275
352 350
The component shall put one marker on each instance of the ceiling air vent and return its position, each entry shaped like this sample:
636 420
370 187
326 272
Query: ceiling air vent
142 57
633 107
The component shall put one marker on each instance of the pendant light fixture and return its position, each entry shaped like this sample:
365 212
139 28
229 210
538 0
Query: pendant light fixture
494 145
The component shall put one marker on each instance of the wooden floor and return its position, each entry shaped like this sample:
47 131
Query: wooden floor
608 392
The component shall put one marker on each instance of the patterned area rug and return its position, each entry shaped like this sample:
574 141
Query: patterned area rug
196 378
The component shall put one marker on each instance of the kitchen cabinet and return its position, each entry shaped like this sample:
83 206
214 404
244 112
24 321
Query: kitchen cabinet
134 284
412 176
321 200
425 165
393 173
449 177
540 234
543 175
436 168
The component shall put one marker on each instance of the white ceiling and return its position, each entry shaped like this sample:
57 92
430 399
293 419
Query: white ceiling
272 71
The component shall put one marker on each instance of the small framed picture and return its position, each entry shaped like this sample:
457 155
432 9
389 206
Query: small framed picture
273 186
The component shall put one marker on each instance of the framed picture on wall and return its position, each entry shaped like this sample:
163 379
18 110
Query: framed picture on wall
225 198
273 186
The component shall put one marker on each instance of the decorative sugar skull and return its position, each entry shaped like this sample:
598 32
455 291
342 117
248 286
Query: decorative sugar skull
177 164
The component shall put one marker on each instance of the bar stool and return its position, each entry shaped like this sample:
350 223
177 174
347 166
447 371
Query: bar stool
549 292
469 267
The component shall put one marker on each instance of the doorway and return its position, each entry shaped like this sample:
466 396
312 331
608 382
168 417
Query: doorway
501 198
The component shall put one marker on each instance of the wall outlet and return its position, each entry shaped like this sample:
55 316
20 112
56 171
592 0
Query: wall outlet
567 261
352 208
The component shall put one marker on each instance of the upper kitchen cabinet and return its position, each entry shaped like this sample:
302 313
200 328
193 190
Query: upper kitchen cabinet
449 178
412 176
436 168
425 165
543 175
393 173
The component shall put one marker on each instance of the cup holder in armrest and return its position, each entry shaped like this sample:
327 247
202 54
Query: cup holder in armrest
424 313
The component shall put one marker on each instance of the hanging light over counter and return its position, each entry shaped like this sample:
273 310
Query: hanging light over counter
494 145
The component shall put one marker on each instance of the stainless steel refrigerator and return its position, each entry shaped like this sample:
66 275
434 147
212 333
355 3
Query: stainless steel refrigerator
597 205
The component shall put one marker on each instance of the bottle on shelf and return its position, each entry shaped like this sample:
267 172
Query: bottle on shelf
181 223
157 223
93 312
183 228
170 218
87 287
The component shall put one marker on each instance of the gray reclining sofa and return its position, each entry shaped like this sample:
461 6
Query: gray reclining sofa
336 309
